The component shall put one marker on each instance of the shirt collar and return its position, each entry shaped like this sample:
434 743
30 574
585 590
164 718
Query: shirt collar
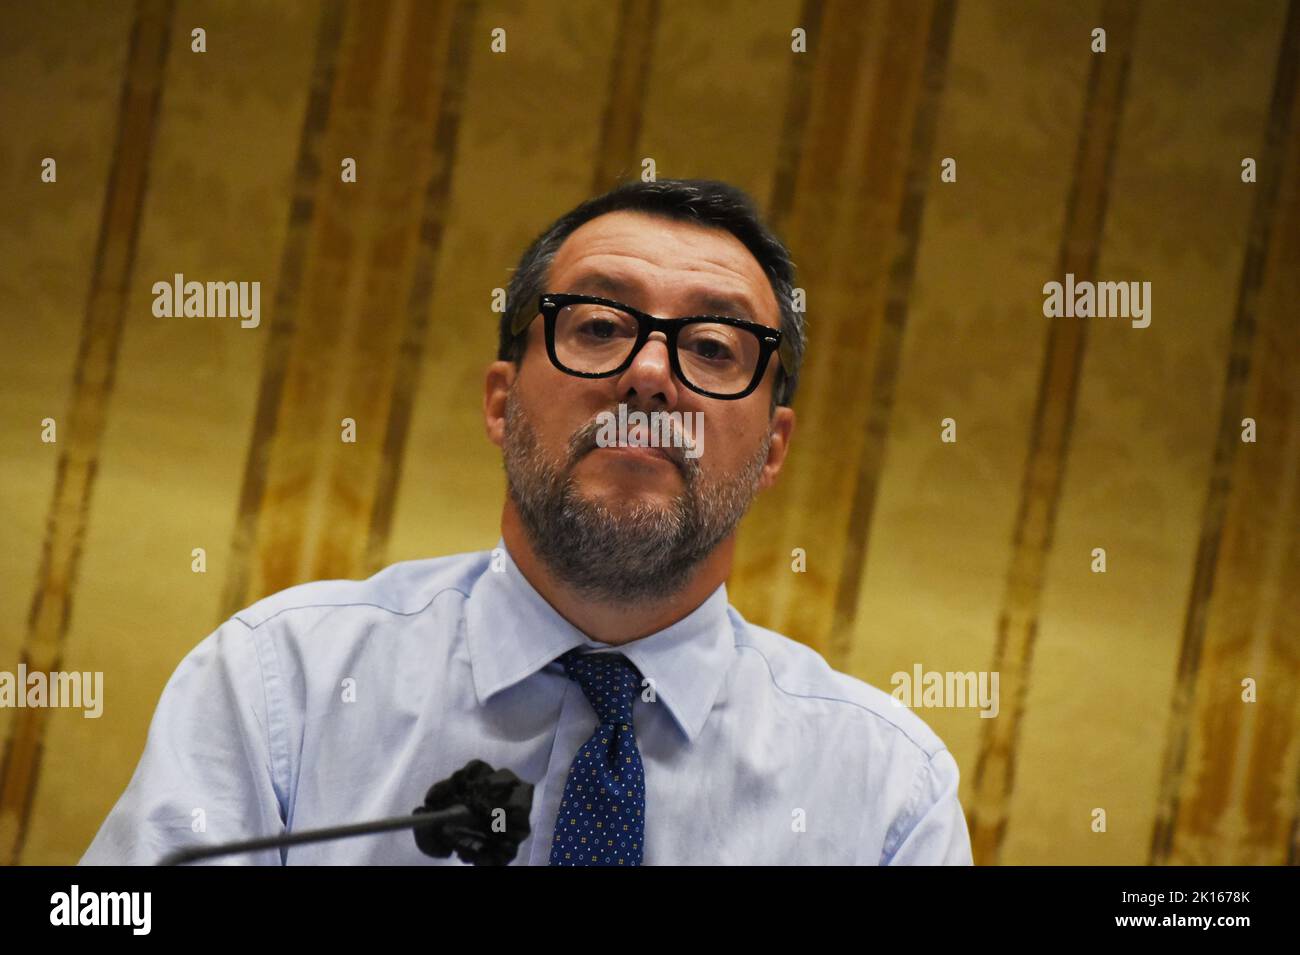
512 632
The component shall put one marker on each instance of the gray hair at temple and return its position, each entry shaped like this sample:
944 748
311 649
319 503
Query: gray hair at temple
705 202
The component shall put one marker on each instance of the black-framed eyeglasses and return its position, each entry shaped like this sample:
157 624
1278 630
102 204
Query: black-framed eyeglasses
714 355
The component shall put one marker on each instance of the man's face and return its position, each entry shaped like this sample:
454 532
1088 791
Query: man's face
631 523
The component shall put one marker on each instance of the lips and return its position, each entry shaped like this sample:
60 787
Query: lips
639 442
638 445
641 451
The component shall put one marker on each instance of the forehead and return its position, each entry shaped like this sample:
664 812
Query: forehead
664 266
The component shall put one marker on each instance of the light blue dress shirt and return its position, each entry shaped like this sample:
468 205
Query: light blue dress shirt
342 701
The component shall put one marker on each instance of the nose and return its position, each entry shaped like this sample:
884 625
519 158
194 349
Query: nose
650 376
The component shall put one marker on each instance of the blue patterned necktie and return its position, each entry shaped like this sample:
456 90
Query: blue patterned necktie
601 820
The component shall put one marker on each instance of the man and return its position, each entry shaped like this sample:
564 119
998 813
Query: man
593 651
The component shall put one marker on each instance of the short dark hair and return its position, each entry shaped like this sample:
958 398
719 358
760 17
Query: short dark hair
706 202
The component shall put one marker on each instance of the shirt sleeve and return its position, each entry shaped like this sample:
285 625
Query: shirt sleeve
933 831
207 774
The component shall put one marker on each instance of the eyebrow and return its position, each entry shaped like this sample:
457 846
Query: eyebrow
714 303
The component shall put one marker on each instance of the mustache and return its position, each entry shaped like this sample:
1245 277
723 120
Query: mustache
583 442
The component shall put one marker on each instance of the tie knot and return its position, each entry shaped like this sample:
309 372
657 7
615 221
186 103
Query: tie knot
608 680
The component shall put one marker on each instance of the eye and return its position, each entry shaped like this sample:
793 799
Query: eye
711 349
600 327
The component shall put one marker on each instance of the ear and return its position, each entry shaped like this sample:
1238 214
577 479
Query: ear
496 389
782 427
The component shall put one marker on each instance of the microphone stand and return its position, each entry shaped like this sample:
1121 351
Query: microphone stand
459 814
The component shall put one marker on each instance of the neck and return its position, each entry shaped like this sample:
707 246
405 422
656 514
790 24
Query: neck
613 623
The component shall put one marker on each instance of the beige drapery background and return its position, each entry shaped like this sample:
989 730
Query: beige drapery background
1119 691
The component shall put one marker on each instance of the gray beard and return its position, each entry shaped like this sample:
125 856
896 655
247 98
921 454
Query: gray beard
636 554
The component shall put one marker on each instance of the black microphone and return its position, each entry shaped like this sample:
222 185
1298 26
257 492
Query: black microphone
479 813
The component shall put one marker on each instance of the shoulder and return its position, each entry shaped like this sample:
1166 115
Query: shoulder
798 673
403 589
